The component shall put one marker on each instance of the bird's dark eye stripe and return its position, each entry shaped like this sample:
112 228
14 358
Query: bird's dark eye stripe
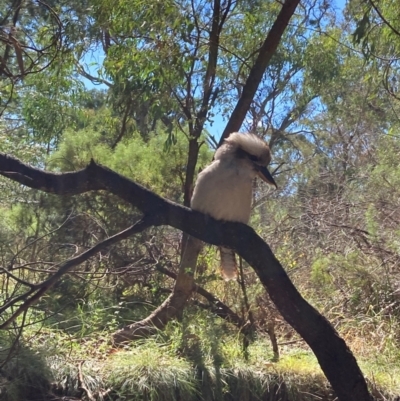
254 158
241 154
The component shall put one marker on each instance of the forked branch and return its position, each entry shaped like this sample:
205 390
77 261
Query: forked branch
335 358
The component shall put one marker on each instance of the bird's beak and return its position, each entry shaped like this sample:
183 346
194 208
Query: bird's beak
266 176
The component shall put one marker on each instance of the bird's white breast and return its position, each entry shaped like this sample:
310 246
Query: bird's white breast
224 191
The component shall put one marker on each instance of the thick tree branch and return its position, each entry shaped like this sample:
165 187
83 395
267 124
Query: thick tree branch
335 358
265 54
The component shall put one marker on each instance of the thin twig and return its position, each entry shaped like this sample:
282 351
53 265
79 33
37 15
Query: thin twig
31 296
82 383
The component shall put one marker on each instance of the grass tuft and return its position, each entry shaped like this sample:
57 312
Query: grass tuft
150 372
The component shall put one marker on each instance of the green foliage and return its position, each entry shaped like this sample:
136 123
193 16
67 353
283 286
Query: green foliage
320 271
371 221
147 162
333 223
148 372
180 363
27 374
50 105
385 175
377 33
322 62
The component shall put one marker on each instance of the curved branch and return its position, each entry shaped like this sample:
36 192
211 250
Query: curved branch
38 290
334 357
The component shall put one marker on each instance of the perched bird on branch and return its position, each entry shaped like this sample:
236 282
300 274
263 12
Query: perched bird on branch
223 189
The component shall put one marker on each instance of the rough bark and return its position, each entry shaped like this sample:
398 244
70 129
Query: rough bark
335 358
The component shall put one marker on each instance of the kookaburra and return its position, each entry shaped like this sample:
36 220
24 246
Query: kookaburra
223 189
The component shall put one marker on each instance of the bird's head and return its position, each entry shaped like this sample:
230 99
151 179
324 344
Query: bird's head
250 148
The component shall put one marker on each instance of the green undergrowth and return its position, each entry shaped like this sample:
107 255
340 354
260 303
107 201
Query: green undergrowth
188 361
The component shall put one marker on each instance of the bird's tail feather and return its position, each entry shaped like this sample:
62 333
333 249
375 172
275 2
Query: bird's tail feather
228 264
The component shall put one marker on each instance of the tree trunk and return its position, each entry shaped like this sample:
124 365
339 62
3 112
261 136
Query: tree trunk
174 304
335 358
265 54
183 287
